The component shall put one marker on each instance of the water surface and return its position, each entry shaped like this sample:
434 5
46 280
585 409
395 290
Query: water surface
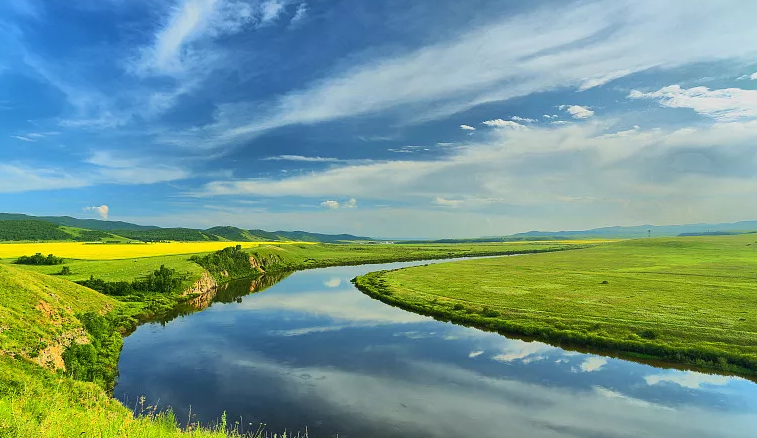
312 351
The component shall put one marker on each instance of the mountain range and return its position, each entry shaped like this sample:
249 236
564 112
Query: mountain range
17 227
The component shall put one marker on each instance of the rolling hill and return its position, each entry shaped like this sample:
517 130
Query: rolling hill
21 227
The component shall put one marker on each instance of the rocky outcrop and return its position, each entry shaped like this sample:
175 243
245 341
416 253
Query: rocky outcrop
262 263
51 357
205 284
255 264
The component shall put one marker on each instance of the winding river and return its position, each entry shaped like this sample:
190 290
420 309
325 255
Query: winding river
311 351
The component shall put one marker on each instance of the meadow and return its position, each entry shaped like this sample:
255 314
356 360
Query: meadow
46 325
687 300
38 319
297 257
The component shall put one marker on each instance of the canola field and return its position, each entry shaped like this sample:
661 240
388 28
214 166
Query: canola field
102 251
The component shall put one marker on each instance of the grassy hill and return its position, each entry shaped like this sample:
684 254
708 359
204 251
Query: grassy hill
21 227
90 224
686 300
36 230
38 320
19 230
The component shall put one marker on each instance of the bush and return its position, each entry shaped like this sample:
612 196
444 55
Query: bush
97 361
648 334
39 259
65 271
489 313
163 280
227 263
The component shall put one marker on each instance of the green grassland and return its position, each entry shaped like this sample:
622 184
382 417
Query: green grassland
116 270
44 317
296 257
687 300
38 319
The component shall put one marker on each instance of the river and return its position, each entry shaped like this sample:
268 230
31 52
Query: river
311 351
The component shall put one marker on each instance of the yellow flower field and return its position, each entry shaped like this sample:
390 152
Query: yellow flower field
98 251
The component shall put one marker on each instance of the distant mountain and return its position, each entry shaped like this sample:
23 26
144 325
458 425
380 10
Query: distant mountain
304 236
616 232
20 227
89 224
645 230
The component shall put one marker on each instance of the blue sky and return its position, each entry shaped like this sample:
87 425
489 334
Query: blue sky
383 117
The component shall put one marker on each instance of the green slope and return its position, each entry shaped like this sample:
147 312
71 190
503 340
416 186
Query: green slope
90 224
37 321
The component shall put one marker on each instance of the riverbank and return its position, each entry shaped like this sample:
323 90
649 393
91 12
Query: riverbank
41 314
680 300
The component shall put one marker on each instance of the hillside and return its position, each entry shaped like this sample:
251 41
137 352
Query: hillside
304 236
21 227
37 313
90 224
38 320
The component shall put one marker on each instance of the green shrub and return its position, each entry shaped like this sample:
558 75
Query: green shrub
97 361
39 259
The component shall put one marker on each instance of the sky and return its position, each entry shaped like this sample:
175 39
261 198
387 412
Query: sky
386 118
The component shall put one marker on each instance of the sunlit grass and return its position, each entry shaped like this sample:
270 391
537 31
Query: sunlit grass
687 299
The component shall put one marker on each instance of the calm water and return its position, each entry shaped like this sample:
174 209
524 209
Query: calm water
312 351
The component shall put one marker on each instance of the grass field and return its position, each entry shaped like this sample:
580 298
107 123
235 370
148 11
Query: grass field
690 300
99 251
295 256
37 321
115 270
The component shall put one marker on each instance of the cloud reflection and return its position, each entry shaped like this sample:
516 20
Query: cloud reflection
689 379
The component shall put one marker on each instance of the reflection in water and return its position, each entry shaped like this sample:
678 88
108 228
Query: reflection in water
314 352
232 291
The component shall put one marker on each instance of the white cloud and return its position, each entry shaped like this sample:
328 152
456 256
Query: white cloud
467 128
300 14
504 124
573 47
180 45
303 159
689 379
523 351
101 211
20 179
631 176
578 111
189 21
726 104
271 10
330 204
111 168
22 138
447 202
476 353
335 205
593 363
333 282
550 117
522 119
753 76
